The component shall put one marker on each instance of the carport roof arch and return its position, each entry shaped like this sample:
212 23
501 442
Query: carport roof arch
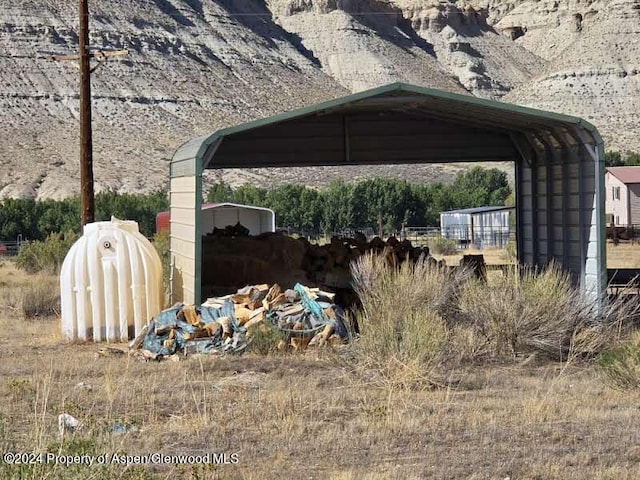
430 126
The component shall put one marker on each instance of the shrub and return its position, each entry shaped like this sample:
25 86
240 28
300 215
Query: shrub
265 339
620 366
45 256
403 334
161 242
511 252
417 318
526 311
443 246
41 298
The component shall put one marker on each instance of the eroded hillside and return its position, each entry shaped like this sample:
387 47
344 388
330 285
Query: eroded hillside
195 66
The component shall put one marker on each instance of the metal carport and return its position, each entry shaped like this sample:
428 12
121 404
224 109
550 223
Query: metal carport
559 163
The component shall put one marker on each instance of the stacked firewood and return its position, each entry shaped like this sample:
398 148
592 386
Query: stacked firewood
329 264
231 260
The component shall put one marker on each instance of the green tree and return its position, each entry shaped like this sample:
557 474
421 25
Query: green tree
220 192
296 206
395 201
337 207
613 159
138 207
480 187
18 217
55 216
250 195
632 159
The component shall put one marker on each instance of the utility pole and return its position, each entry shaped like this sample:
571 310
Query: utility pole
87 202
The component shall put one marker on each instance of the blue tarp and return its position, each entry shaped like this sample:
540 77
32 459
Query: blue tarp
169 333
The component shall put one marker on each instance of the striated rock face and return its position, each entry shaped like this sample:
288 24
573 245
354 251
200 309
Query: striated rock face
485 62
363 44
546 27
195 66
597 77
366 43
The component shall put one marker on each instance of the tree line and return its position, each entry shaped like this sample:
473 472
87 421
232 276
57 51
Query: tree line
365 204
615 158
371 203
36 220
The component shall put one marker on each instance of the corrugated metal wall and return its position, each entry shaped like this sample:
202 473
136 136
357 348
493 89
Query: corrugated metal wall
559 216
455 225
491 229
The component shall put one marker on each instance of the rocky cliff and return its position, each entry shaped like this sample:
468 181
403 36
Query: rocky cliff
193 67
594 72
198 65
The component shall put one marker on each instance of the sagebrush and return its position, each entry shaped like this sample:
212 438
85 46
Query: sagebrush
419 317
47 255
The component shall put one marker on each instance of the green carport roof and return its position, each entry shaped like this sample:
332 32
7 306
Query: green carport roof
396 123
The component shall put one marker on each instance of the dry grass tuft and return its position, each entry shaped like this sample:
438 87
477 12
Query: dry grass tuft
619 366
24 295
417 318
40 299
526 311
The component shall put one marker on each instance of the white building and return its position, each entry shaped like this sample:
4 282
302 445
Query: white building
622 197
478 227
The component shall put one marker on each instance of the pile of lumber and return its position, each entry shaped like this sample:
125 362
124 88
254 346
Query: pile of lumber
304 316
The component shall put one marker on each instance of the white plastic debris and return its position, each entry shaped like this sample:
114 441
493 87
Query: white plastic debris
67 423
83 386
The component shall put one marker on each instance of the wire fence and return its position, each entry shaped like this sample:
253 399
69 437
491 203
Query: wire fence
630 233
479 237
420 236
10 249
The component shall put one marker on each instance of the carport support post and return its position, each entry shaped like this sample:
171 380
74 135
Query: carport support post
582 207
597 230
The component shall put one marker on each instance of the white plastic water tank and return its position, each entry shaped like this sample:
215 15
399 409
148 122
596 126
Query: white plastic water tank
110 283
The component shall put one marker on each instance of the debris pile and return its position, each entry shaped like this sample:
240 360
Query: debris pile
305 316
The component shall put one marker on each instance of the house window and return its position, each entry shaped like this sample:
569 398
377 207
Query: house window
617 220
615 193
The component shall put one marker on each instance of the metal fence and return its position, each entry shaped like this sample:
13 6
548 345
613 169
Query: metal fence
10 249
480 237
315 235
419 236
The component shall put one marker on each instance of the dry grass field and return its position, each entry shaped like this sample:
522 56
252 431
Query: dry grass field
302 416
